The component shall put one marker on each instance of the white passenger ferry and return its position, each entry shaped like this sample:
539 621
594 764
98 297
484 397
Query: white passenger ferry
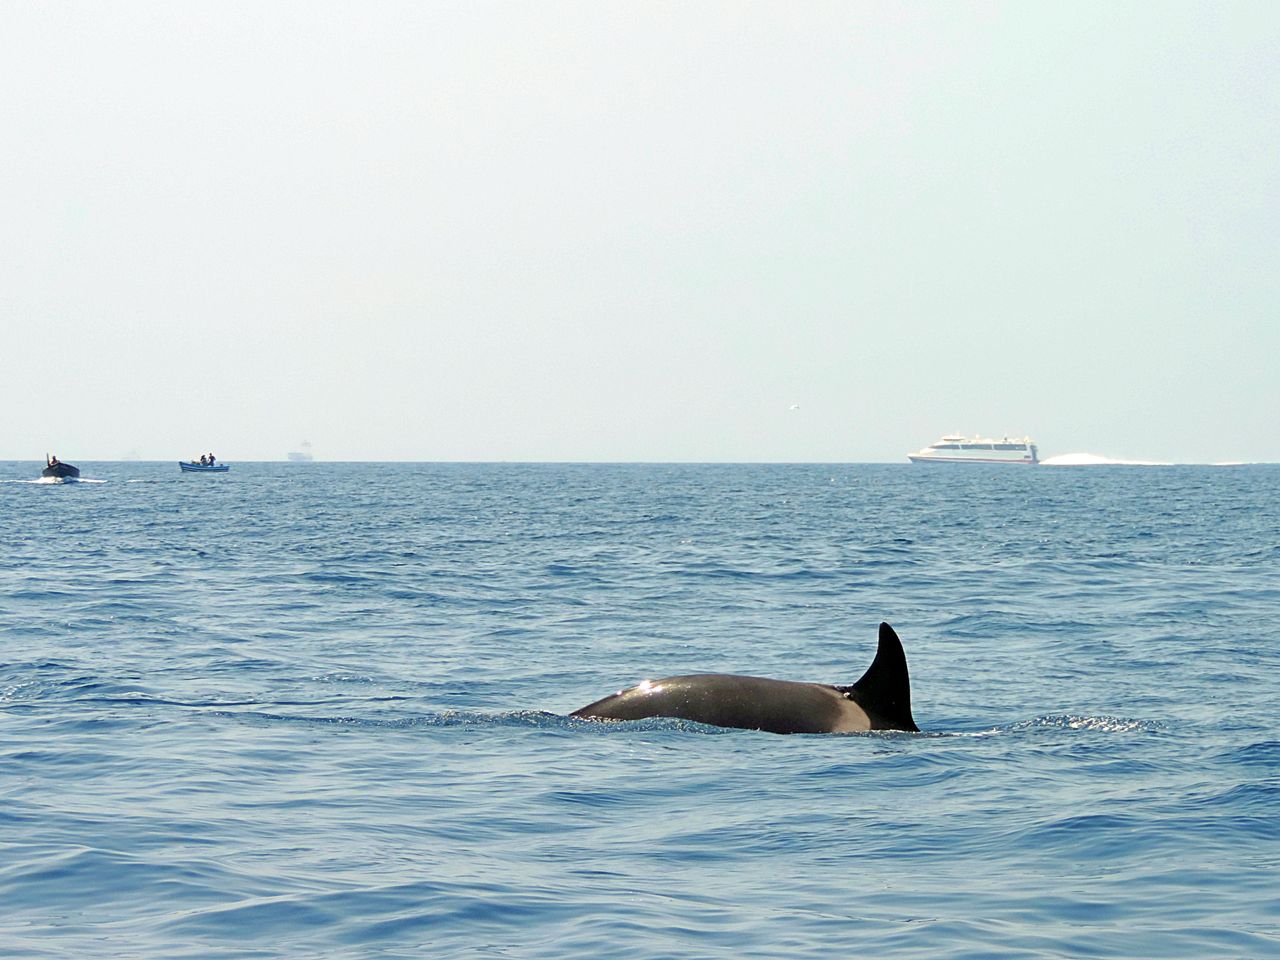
957 449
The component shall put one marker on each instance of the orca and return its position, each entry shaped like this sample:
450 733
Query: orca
880 700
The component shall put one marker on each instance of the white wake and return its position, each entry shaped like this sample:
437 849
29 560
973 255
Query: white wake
1094 460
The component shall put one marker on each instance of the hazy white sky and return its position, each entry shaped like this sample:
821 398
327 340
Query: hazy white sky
638 231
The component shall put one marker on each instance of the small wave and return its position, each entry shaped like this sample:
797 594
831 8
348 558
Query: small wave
445 718
1055 722
1073 722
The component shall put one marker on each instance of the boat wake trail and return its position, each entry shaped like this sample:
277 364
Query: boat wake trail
1094 460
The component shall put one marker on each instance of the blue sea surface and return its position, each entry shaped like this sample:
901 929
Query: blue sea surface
319 710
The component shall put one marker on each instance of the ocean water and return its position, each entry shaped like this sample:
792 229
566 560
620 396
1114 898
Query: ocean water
319 711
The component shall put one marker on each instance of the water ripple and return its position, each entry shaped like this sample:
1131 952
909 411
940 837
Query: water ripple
322 711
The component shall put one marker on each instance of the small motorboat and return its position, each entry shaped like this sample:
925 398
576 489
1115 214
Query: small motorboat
58 470
195 466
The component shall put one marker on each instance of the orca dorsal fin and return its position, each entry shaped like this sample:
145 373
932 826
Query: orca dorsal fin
884 691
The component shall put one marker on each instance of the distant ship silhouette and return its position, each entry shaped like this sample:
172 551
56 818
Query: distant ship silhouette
302 454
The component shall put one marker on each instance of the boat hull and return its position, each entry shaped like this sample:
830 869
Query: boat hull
918 459
203 467
61 471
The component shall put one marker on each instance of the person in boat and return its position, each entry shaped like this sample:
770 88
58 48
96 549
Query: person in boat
204 460
212 459
51 461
